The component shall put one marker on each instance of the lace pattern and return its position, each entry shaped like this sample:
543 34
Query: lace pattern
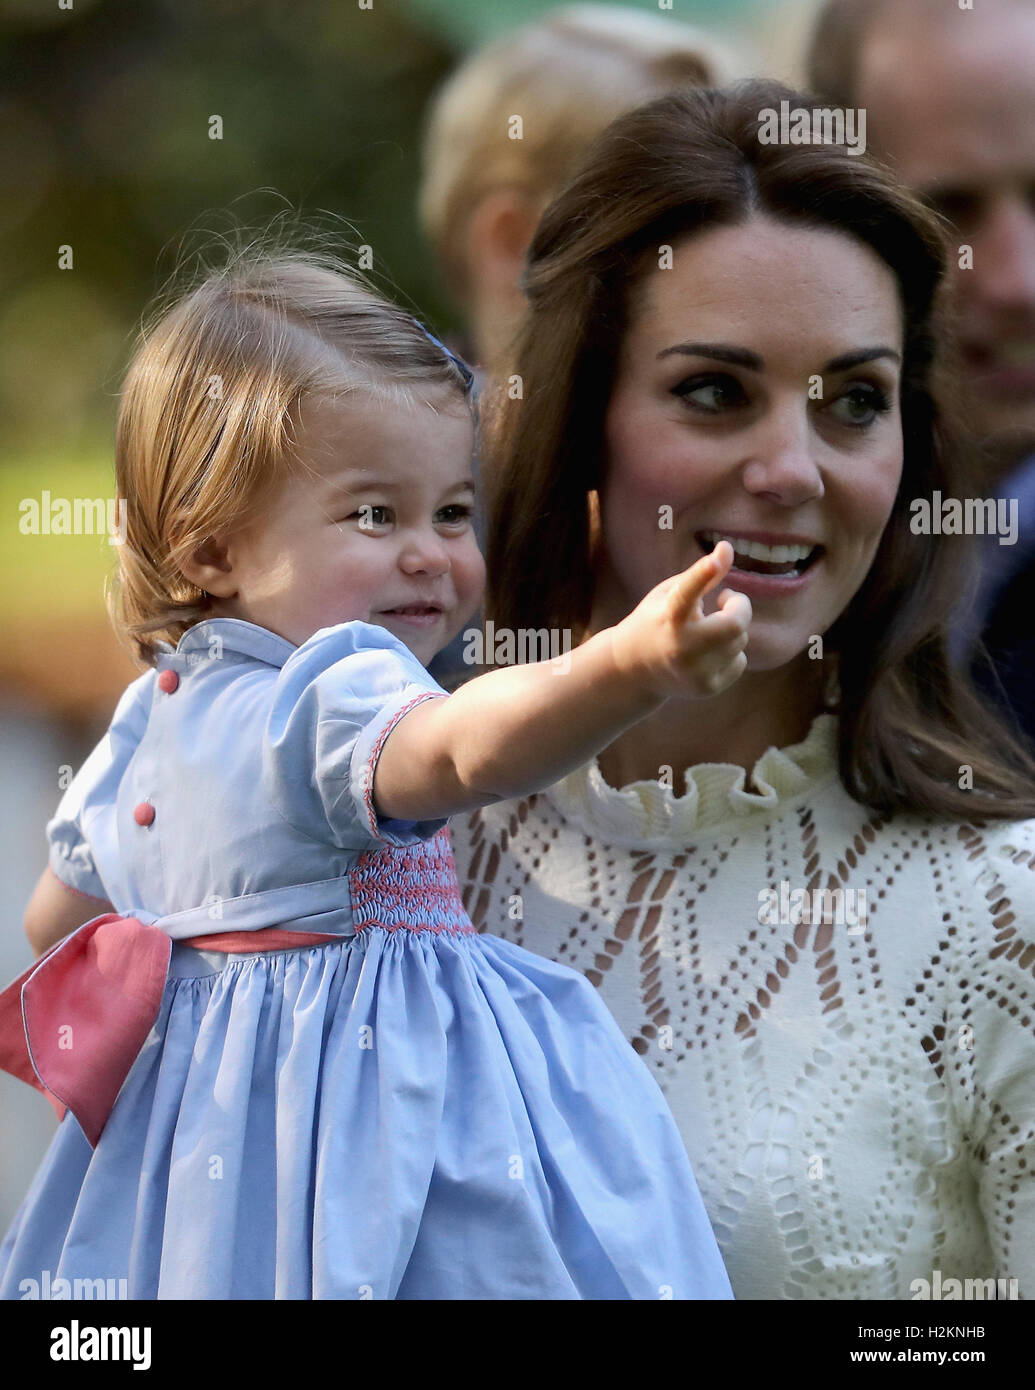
859 1106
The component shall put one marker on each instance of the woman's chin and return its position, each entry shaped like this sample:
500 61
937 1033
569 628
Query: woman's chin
767 654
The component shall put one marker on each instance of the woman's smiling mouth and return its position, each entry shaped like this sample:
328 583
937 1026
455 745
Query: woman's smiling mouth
766 565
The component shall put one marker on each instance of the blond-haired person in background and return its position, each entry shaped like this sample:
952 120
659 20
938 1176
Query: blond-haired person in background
509 127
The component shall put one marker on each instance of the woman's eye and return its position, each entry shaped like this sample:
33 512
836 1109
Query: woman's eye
455 514
860 405
711 394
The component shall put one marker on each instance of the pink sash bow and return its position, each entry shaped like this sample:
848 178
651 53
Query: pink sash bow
73 1024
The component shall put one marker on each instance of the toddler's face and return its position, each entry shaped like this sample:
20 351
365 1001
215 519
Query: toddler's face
380 533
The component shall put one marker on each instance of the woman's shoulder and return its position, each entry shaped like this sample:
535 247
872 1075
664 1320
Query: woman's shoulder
997 858
980 879
986 1041
1007 837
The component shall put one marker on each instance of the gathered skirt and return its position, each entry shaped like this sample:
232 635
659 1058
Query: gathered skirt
396 1115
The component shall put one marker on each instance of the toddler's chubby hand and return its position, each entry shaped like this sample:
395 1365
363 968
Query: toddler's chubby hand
667 643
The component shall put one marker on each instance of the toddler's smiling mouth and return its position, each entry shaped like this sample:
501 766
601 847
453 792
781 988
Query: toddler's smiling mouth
418 614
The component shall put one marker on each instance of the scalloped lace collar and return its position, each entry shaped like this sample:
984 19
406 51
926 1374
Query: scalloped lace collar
649 814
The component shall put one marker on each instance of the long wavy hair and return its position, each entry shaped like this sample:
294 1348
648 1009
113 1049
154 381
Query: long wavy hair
692 160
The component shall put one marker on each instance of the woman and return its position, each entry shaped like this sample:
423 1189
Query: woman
809 900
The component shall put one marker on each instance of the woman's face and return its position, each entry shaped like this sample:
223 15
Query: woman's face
757 400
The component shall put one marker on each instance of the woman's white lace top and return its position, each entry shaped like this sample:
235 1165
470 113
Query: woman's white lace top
854 1076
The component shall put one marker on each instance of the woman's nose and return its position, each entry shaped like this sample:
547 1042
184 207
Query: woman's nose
782 464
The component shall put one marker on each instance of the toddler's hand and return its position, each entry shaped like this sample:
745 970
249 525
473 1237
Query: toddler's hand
669 644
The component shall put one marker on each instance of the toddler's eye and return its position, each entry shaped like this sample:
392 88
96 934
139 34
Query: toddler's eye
370 518
455 514
861 405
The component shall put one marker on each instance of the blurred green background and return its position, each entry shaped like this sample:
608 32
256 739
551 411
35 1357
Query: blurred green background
105 148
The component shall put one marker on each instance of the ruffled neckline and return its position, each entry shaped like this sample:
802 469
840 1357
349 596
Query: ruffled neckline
649 814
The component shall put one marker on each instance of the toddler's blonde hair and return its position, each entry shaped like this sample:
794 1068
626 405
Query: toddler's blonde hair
568 76
204 435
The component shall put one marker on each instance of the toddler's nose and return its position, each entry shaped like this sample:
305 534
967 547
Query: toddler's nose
424 555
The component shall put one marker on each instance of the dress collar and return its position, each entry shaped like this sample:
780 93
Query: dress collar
651 815
235 635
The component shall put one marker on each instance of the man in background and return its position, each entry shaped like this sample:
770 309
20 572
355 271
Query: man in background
949 95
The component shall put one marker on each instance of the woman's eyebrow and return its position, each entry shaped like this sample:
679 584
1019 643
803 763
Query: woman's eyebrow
741 357
721 352
848 360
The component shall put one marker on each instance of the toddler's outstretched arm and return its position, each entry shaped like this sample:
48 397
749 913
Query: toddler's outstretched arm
517 730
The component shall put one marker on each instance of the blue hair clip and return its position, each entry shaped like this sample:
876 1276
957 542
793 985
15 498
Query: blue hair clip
459 362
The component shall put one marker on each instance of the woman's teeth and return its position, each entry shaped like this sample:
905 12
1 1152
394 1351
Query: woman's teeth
757 558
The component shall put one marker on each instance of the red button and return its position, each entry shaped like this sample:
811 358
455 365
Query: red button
144 814
168 681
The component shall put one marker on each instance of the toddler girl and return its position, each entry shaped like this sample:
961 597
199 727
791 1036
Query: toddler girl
294 1068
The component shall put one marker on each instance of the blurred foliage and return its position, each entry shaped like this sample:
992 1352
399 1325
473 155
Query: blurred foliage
54 573
104 147
476 21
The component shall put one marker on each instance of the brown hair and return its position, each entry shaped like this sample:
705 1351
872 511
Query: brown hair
567 75
205 427
689 161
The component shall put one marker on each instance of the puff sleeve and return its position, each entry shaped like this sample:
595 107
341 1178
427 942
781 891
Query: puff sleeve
336 699
95 786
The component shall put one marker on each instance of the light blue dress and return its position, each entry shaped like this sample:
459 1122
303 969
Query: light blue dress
415 1111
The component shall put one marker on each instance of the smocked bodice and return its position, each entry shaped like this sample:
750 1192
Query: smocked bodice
412 887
